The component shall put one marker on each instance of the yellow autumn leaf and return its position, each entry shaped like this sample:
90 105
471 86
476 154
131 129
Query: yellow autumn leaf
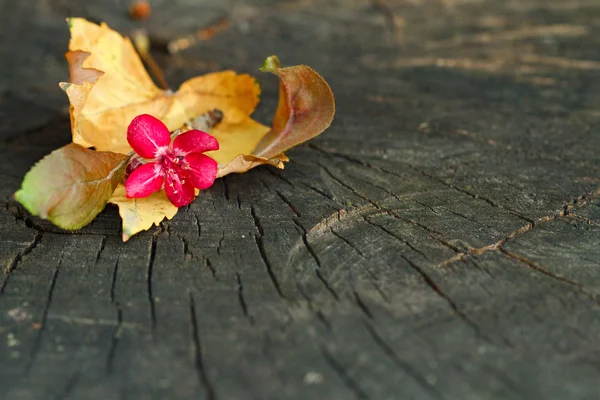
140 214
109 87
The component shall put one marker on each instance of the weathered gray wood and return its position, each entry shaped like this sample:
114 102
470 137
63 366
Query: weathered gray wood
440 241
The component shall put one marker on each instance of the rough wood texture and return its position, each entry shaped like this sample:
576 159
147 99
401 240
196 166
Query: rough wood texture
440 241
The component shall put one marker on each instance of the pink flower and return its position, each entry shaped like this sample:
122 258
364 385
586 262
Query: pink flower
180 166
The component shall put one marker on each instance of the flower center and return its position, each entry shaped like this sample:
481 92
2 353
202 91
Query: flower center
173 166
169 159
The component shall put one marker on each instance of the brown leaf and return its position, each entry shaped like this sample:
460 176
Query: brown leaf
306 108
243 163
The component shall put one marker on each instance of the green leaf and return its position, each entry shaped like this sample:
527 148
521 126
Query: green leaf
71 185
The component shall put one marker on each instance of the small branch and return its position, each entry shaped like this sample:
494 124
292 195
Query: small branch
141 41
203 34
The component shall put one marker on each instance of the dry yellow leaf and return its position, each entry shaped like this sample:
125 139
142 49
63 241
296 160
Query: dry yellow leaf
140 214
245 162
109 87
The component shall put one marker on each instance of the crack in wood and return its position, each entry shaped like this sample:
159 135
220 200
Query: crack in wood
536 267
575 204
265 185
342 216
257 223
220 245
580 218
211 268
497 374
114 341
19 256
374 277
319 191
35 348
150 268
341 372
438 235
307 185
120 326
307 244
463 191
320 316
242 301
427 206
437 289
370 182
327 285
466 217
209 389
279 176
348 187
427 175
484 249
580 202
426 277
343 239
8 270
362 305
225 188
19 213
198 225
102 244
289 203
404 366
70 385
314 255
186 247
113 282
396 236
263 254
192 256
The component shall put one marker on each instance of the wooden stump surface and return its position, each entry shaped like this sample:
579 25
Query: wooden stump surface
440 241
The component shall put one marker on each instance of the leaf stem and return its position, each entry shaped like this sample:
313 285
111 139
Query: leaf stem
141 41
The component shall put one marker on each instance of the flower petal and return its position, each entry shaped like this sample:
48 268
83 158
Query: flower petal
194 141
147 134
202 170
179 188
144 180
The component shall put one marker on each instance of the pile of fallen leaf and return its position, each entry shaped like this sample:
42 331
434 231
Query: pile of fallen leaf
109 87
